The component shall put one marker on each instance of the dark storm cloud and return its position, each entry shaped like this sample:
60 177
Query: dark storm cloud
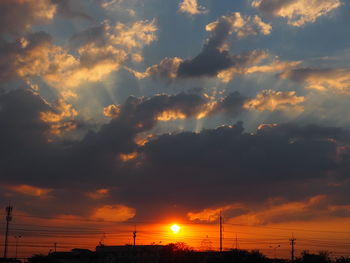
146 110
207 63
309 132
17 16
231 104
20 115
25 153
226 165
228 159
211 59
236 166
214 56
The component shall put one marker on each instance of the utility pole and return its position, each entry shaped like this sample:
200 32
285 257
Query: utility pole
55 246
8 220
292 243
220 232
134 236
236 242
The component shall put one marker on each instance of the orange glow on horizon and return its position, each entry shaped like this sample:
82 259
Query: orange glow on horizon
199 236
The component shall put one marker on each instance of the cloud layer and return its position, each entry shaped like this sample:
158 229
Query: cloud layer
115 110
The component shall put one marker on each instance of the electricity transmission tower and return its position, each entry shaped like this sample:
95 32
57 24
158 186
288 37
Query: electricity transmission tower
8 220
292 243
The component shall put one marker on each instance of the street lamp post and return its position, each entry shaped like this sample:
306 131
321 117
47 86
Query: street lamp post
274 250
17 239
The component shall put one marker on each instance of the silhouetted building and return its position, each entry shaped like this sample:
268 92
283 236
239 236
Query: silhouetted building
75 256
128 253
9 260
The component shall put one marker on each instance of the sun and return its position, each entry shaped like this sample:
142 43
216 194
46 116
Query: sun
175 228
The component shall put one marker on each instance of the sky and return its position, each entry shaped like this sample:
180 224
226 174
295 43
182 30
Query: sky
116 113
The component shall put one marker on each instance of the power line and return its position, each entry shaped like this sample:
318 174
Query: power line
192 223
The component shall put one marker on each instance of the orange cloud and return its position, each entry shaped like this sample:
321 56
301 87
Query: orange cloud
273 212
141 139
98 194
64 111
111 111
206 110
314 207
116 213
96 61
36 55
337 79
191 7
167 68
248 59
136 35
243 26
92 65
30 190
210 214
62 120
257 62
33 56
269 100
125 157
298 12
171 115
266 126
58 129
275 66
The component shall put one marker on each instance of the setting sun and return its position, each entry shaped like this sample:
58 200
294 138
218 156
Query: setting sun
175 228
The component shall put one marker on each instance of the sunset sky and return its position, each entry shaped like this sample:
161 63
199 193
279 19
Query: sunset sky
147 113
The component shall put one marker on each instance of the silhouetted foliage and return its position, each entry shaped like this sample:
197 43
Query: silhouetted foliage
180 253
342 260
176 253
321 257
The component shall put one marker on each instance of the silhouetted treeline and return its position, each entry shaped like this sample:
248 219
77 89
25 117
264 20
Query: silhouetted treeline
179 253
